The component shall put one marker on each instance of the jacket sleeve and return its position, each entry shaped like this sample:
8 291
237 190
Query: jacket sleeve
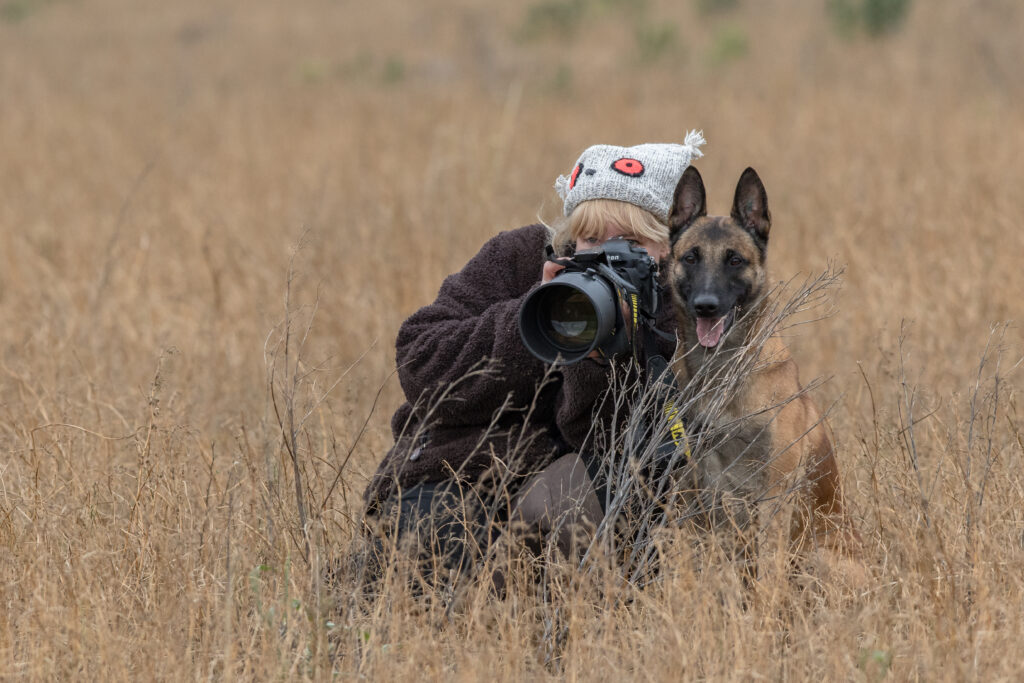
582 401
466 344
585 400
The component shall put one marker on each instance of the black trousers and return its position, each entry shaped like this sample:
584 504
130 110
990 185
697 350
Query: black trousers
444 528
447 527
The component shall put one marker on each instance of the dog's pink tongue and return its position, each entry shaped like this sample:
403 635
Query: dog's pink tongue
709 330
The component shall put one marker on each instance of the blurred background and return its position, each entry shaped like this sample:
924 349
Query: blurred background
160 161
162 164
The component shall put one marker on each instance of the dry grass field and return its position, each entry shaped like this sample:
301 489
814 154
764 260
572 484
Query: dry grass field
163 165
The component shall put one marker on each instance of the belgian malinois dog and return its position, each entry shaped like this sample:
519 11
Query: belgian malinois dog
772 439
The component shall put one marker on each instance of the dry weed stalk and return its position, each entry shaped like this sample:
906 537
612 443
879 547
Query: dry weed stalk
298 390
641 507
902 157
650 490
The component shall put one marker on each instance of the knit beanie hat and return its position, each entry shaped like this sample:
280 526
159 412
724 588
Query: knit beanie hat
643 175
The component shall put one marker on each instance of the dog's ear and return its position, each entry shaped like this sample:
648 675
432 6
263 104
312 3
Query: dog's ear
688 203
750 207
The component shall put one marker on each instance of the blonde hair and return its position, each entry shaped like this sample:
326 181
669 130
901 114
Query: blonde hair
591 218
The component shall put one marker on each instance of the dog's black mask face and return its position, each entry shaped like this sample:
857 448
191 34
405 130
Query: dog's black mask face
717 262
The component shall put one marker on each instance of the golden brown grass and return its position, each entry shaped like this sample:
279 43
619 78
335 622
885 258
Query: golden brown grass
159 164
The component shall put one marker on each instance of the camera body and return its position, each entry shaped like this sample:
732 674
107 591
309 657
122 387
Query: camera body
596 303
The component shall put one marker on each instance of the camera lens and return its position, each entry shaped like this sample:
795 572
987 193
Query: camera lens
567 318
564 320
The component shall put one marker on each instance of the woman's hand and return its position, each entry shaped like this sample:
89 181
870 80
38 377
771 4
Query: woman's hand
550 270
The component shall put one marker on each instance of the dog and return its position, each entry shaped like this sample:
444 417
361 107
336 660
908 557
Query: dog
772 438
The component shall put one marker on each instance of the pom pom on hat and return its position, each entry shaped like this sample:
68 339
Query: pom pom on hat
643 175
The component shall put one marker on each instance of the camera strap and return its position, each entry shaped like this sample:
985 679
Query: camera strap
659 378
549 254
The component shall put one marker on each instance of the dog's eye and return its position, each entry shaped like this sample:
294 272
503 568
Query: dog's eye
734 259
689 258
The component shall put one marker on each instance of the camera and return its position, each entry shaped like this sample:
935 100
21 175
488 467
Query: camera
596 303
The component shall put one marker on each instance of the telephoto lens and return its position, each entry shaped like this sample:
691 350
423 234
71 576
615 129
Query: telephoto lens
590 304
567 318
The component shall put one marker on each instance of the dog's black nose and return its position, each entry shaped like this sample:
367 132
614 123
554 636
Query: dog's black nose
705 305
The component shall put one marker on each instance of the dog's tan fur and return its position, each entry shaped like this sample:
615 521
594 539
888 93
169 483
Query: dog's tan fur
776 438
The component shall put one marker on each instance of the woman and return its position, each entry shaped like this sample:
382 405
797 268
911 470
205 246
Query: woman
488 433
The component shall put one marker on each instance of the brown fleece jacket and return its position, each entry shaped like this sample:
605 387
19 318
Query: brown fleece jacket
475 396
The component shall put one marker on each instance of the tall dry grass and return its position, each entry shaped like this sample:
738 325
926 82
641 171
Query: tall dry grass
161 163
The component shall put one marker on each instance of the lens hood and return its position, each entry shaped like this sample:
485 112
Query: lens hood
564 320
